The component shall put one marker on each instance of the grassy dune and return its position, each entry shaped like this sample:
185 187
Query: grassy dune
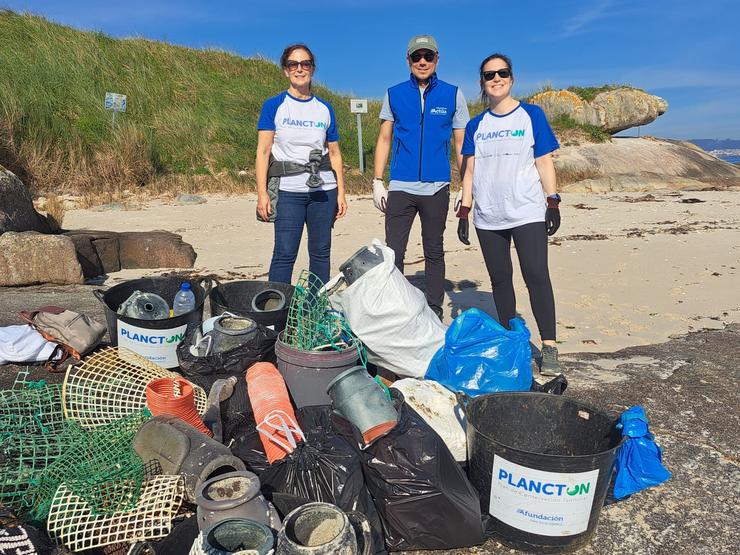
190 122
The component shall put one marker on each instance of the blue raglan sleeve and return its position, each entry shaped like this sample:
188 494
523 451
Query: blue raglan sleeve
544 138
332 134
468 147
267 116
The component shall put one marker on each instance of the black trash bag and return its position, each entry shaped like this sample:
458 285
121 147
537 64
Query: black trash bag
242 437
204 371
424 499
555 386
323 468
261 347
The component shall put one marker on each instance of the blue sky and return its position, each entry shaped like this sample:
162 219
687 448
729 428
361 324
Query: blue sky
685 51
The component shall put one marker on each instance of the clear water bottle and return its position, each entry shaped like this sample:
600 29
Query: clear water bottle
184 300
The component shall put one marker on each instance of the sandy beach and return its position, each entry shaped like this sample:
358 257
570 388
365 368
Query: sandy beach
628 269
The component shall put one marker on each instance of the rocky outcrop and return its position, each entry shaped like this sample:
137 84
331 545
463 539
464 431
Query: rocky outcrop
642 164
16 206
103 252
612 110
29 258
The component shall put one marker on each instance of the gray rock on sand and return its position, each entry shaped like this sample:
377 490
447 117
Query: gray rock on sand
612 110
16 206
29 258
641 164
186 198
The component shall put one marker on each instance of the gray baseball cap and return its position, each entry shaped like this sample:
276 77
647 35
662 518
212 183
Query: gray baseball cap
420 42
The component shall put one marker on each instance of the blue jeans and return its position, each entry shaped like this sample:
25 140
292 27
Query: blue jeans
317 210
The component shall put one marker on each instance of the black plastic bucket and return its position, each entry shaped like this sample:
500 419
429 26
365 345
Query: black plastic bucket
237 296
155 340
541 464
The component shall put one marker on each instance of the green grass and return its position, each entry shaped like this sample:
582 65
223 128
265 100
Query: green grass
564 122
190 112
589 93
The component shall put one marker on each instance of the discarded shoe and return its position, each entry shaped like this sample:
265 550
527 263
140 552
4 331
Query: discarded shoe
550 365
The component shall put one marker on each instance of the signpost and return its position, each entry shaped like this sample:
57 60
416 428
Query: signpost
359 106
116 103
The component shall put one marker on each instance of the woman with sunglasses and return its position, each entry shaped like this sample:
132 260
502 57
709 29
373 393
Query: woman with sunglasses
299 169
510 173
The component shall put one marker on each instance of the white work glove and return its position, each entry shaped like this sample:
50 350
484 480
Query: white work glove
380 195
458 202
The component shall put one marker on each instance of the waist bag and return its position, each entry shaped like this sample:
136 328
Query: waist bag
277 169
75 334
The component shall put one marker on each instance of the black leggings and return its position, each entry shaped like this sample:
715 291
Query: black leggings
530 241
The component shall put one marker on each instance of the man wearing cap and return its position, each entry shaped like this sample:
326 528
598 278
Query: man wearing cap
418 118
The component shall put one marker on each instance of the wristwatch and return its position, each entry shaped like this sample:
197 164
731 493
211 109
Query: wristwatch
555 197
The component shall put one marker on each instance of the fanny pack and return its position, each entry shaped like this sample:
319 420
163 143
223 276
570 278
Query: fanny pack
317 162
75 334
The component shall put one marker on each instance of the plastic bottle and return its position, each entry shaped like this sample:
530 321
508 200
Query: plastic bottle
184 300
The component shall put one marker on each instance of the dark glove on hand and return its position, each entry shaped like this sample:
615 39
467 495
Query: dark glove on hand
552 220
463 227
552 216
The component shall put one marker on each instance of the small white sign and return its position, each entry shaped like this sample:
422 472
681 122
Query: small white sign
115 102
157 346
358 105
539 502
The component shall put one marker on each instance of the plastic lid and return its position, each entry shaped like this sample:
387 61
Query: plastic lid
185 286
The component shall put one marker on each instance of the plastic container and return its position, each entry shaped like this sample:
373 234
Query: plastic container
308 373
144 306
541 464
184 300
358 398
237 297
155 340
233 495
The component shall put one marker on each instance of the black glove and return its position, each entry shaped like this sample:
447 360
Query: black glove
463 227
552 214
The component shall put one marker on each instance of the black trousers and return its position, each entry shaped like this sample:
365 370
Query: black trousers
530 241
400 212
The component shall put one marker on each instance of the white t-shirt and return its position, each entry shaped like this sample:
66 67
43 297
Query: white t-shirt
300 126
506 184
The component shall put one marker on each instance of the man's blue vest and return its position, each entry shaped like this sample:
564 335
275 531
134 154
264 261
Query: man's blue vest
421 141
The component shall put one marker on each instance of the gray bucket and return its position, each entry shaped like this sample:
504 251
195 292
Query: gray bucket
308 373
238 535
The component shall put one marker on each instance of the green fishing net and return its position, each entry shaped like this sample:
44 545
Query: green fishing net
313 325
33 433
99 466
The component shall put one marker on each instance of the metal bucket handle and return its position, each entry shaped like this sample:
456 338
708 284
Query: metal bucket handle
207 284
462 400
99 294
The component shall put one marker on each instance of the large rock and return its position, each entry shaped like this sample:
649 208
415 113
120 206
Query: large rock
30 258
642 164
612 110
103 252
16 206
154 249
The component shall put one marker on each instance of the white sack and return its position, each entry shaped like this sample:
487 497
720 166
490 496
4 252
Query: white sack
438 406
392 318
22 343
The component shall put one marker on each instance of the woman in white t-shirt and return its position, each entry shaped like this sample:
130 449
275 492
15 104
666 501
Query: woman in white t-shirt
298 156
510 173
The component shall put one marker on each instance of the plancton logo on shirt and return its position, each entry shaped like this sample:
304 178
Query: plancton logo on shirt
500 134
305 123
439 111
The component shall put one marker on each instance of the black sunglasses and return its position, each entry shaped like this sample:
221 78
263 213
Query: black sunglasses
503 73
292 65
428 56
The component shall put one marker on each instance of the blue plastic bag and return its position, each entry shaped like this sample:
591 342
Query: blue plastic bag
639 460
481 356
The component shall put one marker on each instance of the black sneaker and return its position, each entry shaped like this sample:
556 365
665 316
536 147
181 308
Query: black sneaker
550 365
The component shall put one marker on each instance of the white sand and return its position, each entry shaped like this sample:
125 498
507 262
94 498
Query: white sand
609 294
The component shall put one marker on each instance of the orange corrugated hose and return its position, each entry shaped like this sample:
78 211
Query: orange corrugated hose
276 421
174 397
